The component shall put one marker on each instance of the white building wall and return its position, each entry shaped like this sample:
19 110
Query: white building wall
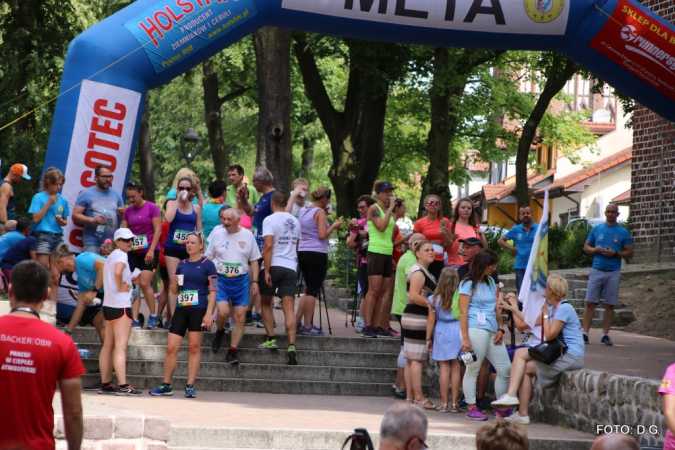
562 205
601 191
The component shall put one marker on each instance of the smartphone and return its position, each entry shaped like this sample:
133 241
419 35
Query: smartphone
213 282
443 224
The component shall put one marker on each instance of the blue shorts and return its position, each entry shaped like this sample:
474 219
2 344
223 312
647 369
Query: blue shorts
46 242
233 289
607 283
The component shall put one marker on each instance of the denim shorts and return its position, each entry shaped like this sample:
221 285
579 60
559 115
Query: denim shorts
46 242
91 249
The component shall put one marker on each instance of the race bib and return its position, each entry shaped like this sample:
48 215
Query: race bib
188 298
438 248
140 242
481 318
231 270
527 340
180 236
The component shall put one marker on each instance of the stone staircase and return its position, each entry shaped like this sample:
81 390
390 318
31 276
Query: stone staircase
326 365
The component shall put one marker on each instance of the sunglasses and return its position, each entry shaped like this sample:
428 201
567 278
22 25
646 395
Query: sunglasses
133 184
125 240
433 203
198 234
183 188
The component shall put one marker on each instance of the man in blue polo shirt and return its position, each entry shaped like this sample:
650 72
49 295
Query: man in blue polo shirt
608 242
522 236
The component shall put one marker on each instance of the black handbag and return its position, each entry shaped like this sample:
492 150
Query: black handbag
548 351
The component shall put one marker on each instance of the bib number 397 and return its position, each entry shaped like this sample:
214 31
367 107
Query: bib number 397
180 237
188 298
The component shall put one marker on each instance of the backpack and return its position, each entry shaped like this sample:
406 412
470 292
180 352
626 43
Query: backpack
455 298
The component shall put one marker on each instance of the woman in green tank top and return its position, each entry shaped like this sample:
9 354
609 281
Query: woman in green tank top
380 249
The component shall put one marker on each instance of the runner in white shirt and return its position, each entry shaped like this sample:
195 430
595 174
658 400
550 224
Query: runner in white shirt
281 232
232 248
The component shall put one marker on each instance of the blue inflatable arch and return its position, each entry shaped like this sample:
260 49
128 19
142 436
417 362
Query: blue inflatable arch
110 67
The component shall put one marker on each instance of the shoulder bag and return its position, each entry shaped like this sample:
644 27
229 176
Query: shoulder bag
548 351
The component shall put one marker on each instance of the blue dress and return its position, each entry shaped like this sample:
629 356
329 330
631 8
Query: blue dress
447 341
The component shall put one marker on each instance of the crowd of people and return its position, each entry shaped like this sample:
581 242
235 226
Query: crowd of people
222 259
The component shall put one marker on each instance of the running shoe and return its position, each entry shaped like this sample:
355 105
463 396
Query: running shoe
262 325
517 418
256 316
107 389
127 390
249 322
160 323
311 331
393 333
369 333
359 325
480 404
152 322
135 323
506 400
585 338
379 331
269 344
167 325
292 354
229 327
92 387
164 389
503 414
215 344
231 357
462 402
190 391
606 341
475 414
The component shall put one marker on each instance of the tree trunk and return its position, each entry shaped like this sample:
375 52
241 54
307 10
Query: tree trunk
560 72
356 135
145 157
307 156
273 66
214 125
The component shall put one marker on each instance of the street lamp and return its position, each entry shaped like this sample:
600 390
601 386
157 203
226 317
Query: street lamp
189 145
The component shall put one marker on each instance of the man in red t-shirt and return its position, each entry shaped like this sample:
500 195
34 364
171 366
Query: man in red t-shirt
34 356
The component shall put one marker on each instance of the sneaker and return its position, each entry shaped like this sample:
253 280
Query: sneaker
517 418
141 319
215 343
499 414
292 354
506 400
160 323
369 333
228 327
127 390
92 387
585 338
231 357
167 325
393 333
269 344
475 414
256 316
135 323
462 402
278 306
260 325
164 389
480 404
108 389
249 322
606 341
359 325
190 391
401 395
311 331
379 331
152 322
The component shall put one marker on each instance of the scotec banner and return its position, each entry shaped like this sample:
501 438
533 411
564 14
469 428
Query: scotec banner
640 44
496 16
173 29
103 134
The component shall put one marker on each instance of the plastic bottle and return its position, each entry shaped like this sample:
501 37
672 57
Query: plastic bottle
85 354
100 228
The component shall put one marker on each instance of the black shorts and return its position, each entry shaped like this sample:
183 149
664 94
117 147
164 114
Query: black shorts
163 273
173 253
380 265
88 315
113 314
187 319
137 260
314 266
283 282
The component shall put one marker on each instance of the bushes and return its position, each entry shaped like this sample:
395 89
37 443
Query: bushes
337 263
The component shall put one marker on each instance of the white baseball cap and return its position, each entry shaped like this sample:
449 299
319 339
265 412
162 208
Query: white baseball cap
123 233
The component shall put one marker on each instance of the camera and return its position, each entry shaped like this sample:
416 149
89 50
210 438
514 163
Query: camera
360 440
466 358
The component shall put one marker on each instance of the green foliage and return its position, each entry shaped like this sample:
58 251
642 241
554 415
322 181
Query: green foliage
337 264
566 252
506 258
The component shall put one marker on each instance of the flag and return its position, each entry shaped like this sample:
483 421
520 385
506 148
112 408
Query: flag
536 276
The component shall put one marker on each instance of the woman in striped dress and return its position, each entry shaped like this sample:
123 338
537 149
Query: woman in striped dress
421 284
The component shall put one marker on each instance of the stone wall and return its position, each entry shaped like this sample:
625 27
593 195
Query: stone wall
118 433
586 400
652 208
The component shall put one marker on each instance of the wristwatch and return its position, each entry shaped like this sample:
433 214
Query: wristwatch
502 330
546 316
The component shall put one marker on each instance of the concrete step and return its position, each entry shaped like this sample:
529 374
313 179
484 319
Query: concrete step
622 317
275 372
354 344
293 387
262 356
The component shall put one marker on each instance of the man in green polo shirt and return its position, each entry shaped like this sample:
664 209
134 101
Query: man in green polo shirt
400 301
236 176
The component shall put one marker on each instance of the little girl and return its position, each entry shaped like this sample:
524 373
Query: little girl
446 342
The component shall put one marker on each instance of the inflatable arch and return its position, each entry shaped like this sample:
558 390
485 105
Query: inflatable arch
110 67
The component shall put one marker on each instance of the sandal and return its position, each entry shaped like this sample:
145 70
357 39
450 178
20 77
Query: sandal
454 408
421 405
443 408
410 400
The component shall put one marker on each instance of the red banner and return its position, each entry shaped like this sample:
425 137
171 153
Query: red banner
643 45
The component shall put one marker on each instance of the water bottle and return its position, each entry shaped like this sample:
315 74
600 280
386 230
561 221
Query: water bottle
100 228
85 354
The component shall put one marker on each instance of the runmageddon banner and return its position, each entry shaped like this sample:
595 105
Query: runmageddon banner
174 29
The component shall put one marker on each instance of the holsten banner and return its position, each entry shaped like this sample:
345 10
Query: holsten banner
110 67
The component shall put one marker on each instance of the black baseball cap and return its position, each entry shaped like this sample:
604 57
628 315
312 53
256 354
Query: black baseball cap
472 241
